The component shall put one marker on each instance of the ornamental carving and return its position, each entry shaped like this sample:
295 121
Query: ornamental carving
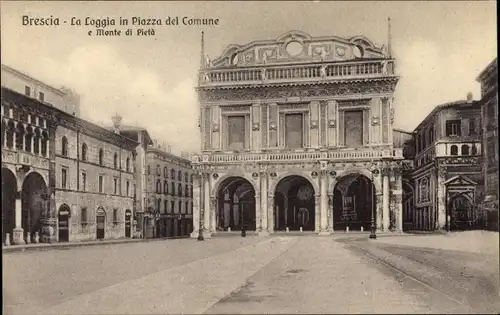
375 121
331 123
272 126
255 127
304 193
314 124
264 92
215 128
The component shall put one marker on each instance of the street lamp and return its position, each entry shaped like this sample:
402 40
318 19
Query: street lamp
202 216
373 228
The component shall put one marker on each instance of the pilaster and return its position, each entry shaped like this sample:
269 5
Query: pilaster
264 210
317 213
314 124
441 199
332 123
379 209
324 200
18 232
256 133
197 203
385 199
270 212
206 204
330 214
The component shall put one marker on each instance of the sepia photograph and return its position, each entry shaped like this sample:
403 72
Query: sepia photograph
249 157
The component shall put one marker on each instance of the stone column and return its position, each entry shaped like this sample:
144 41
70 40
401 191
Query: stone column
330 223
206 205
258 205
441 200
213 214
49 223
270 213
324 202
18 232
379 211
317 213
385 199
398 199
197 203
264 204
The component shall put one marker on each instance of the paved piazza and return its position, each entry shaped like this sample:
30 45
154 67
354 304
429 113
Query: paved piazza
280 274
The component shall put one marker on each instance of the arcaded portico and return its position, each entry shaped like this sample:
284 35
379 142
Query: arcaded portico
297 136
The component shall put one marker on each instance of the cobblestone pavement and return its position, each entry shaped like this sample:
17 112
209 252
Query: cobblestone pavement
289 274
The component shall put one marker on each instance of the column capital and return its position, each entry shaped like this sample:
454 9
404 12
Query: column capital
386 171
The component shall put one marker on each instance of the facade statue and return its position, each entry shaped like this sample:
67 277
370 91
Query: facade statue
322 72
263 74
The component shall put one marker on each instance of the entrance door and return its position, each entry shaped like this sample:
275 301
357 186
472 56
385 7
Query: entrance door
100 223
63 226
128 223
461 213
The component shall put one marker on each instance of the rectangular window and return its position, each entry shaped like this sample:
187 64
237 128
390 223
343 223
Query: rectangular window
353 128
115 216
236 132
294 131
128 189
27 90
41 96
84 181
472 127
172 206
101 183
159 205
115 186
83 218
64 178
453 128
165 206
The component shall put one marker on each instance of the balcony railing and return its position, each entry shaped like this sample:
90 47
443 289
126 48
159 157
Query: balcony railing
24 158
298 156
293 73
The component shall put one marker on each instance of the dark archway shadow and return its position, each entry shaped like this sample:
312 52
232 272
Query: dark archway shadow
353 200
294 204
236 205
9 192
34 204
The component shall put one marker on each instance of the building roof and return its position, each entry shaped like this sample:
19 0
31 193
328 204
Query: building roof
489 68
438 108
167 154
28 77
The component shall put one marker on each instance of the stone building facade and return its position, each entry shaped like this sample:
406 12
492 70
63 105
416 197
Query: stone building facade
446 180
63 98
63 178
169 194
297 135
489 102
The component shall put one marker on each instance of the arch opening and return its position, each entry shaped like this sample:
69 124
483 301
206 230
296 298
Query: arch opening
235 205
63 223
9 191
408 206
100 223
294 204
461 213
34 204
353 202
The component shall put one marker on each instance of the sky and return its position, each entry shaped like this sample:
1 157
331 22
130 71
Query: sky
439 47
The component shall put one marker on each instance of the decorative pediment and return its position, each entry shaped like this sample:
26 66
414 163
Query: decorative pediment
460 181
298 46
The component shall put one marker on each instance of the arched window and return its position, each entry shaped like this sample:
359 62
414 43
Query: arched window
172 189
186 191
84 152
180 206
64 146
179 190
149 170
191 178
127 164
165 187
454 150
431 135
158 187
464 149
165 172
187 207
179 175
101 156
158 170
172 173
186 177
83 216
115 160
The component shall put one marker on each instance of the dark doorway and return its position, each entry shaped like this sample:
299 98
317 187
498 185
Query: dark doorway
294 204
353 200
34 203
236 205
408 206
9 192
128 223
63 225
460 210
100 223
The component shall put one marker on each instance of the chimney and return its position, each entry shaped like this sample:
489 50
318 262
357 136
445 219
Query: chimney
117 119
469 97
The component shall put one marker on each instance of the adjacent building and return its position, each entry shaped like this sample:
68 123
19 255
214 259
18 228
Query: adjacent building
63 98
63 178
297 135
488 79
169 194
447 180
